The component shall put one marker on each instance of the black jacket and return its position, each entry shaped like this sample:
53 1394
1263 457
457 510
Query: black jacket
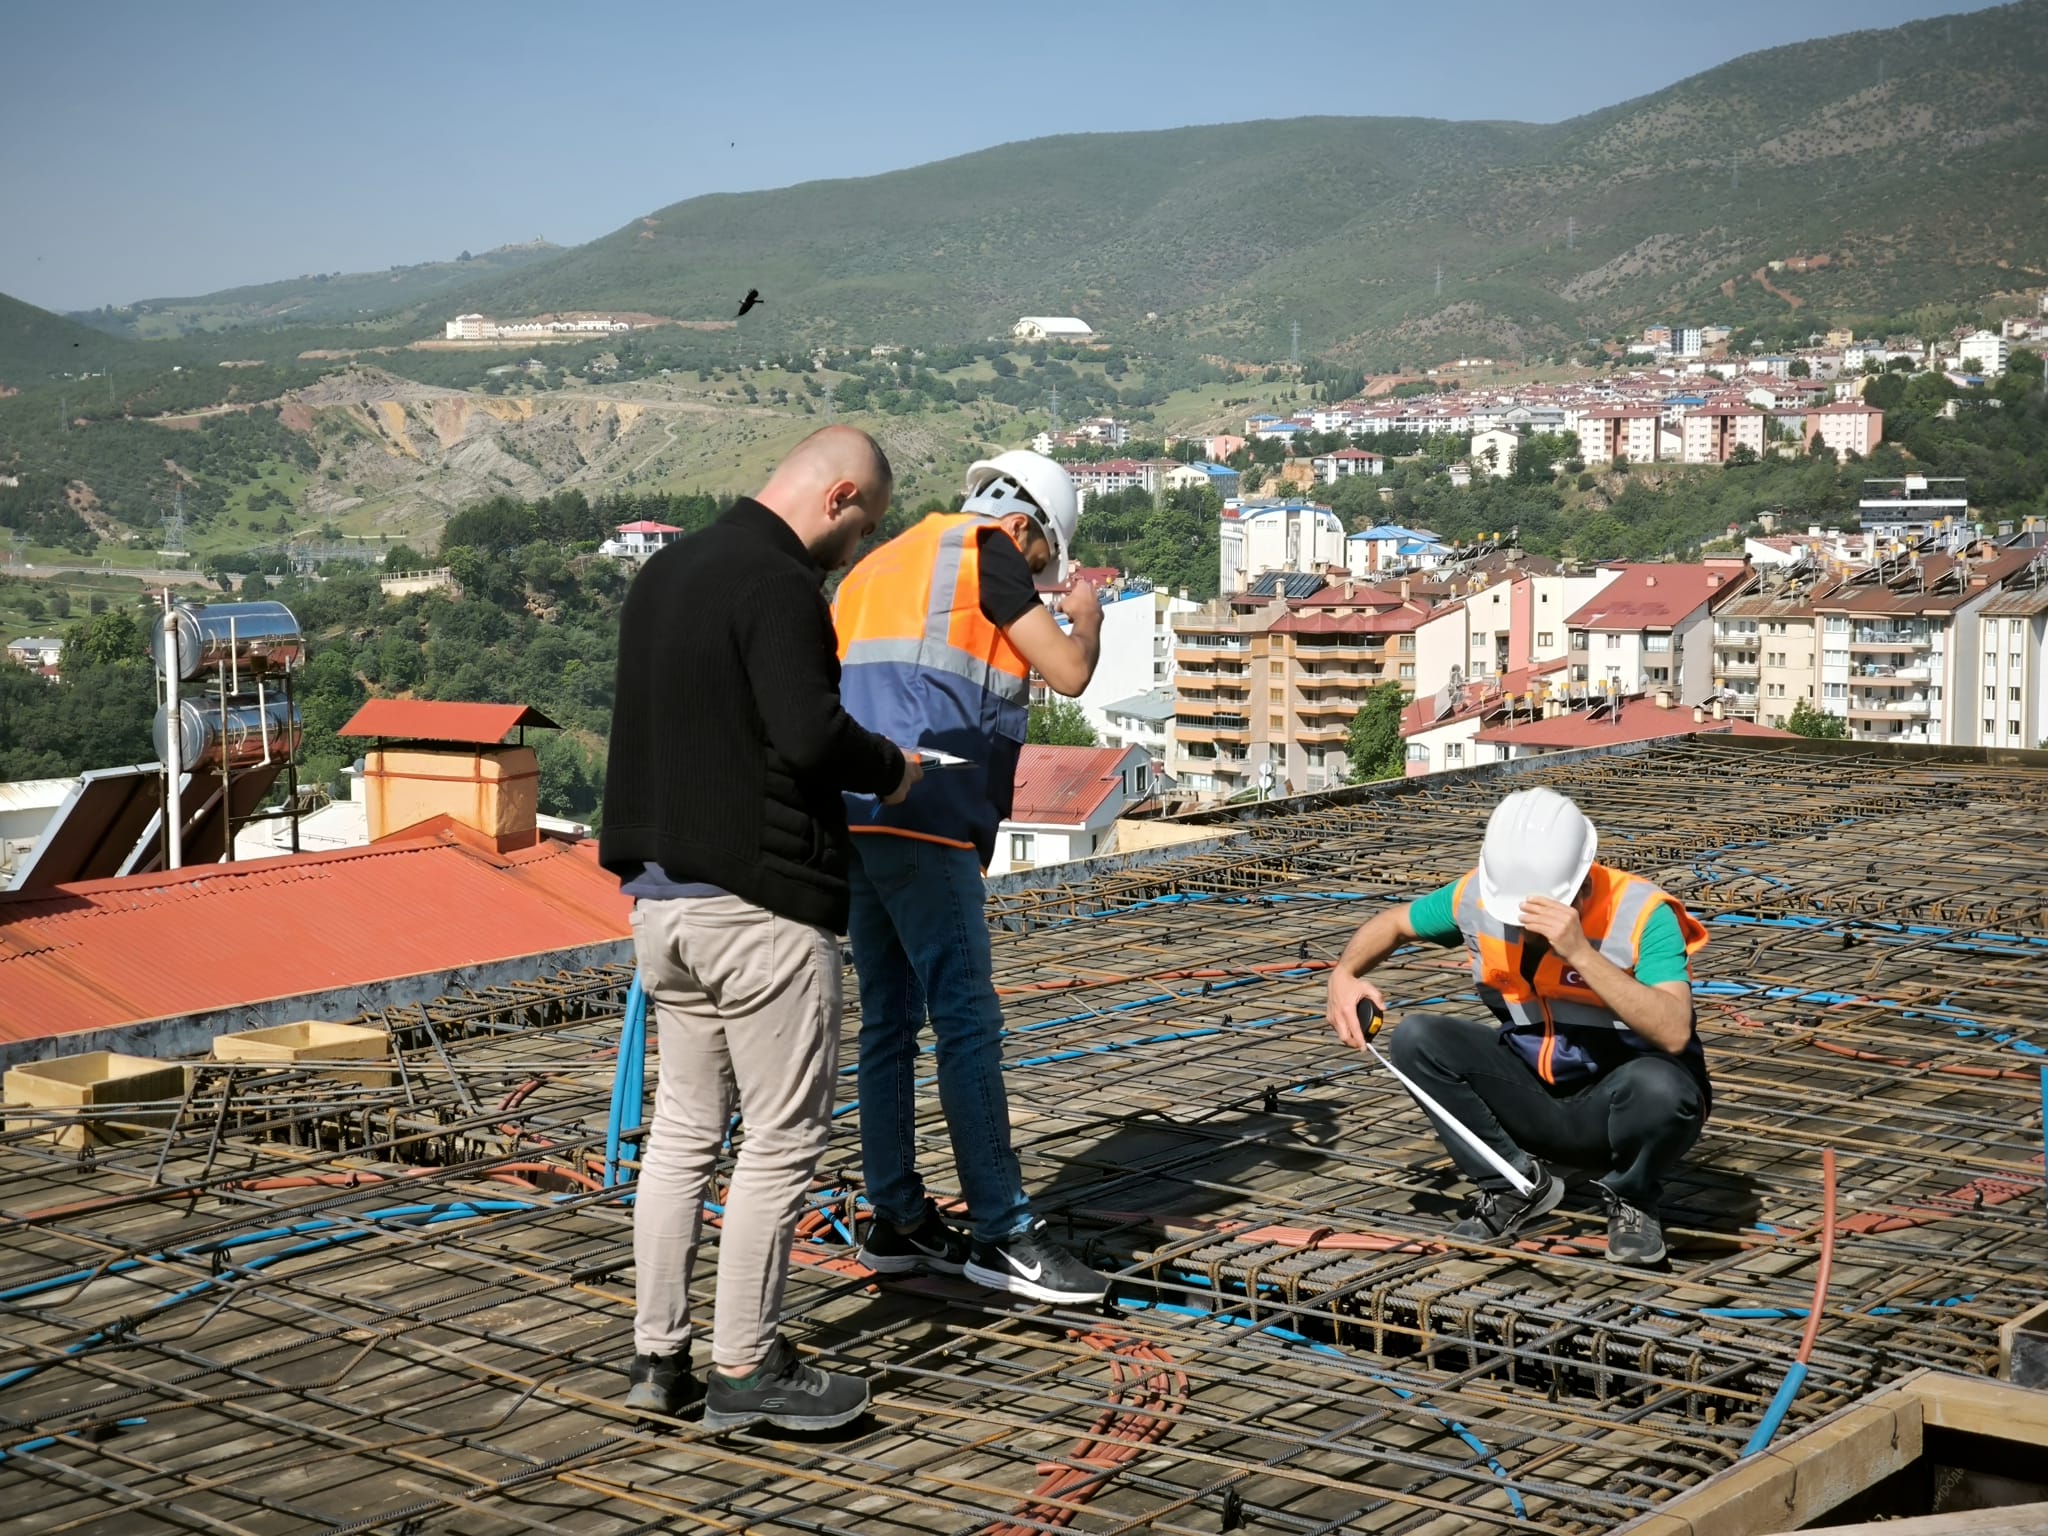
729 746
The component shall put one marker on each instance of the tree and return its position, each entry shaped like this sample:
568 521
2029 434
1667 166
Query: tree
104 640
1817 724
1373 743
1059 723
1800 369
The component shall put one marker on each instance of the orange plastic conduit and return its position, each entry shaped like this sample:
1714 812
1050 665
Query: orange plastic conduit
1146 1393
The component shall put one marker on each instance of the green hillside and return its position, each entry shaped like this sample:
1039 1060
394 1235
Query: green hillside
321 298
37 346
1913 159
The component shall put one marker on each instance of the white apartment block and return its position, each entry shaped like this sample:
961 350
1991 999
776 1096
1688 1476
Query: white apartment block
1984 352
1284 536
1137 650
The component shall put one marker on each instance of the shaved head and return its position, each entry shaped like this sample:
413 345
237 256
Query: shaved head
832 489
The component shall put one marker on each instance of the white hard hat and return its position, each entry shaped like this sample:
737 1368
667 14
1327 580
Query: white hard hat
1537 844
1027 482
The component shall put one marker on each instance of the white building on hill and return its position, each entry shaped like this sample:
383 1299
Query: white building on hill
1052 328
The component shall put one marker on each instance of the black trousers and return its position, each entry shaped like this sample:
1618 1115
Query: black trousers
1632 1124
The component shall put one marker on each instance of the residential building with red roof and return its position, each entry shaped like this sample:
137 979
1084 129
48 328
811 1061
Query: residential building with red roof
1067 803
1565 728
1645 630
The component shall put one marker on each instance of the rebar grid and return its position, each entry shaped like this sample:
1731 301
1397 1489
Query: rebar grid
312 1306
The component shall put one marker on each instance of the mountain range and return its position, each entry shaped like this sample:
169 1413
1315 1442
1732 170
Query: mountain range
1853 177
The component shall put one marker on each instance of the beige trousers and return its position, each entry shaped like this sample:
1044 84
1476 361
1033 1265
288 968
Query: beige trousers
747 1006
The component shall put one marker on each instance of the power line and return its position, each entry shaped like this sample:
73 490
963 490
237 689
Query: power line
1571 234
1439 279
1294 346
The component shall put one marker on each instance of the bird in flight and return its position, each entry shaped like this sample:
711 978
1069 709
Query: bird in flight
753 297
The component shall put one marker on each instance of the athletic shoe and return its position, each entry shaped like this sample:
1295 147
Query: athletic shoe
662 1384
931 1247
1495 1215
786 1393
1030 1264
1634 1235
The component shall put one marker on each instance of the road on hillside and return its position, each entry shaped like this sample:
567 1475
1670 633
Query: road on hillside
153 578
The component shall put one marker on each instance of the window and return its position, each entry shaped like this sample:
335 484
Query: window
1990 693
2015 661
1454 751
1775 691
1578 640
2017 628
1544 637
1839 625
1407 671
2012 727
1990 727
2015 694
1835 690
1991 661
1020 847
1614 642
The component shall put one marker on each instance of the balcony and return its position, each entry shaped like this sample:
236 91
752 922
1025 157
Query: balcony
1346 704
1735 668
1888 677
1322 735
1887 709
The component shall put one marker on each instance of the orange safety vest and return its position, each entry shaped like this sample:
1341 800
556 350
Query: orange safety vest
922 665
1549 1015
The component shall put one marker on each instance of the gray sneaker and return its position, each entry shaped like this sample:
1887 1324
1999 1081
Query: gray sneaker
786 1393
1495 1215
1634 1235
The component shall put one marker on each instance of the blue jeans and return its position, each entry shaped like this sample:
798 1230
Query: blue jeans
920 947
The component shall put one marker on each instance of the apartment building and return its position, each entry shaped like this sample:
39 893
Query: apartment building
1610 432
1137 647
1907 654
1710 433
1765 647
2014 638
1846 427
1647 630
1506 618
1277 536
1279 682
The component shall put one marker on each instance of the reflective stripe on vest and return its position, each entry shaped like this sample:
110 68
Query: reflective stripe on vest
1616 911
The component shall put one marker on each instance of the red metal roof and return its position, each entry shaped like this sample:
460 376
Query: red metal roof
647 526
104 953
1067 785
1393 621
1641 720
1651 597
483 725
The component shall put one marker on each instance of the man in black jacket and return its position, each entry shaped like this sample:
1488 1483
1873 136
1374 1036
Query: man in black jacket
724 822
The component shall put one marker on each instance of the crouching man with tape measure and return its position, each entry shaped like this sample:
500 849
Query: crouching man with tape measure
1593 1060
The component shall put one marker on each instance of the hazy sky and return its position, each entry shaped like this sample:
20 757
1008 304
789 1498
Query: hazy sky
157 150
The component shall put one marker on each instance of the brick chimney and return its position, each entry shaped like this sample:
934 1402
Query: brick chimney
434 759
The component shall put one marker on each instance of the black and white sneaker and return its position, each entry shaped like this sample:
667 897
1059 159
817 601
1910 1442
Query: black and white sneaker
662 1384
931 1247
1032 1264
1634 1235
1495 1215
786 1393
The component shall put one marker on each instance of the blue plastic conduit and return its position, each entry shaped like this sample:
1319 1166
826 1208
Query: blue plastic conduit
409 1215
30 1447
628 1085
1291 1337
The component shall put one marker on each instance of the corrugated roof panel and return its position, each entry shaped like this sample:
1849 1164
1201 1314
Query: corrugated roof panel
111 952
